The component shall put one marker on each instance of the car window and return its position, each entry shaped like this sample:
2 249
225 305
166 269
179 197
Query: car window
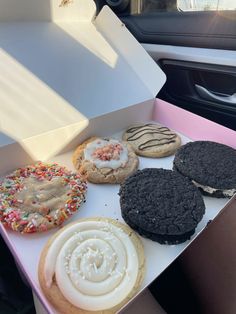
206 5
152 6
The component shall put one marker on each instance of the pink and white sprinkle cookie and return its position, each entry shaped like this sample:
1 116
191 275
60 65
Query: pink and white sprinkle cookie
40 197
105 160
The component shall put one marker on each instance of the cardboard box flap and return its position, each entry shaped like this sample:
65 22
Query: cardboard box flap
137 58
46 10
66 67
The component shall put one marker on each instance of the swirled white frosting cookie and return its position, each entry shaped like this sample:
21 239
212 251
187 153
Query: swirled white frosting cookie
105 160
39 197
152 140
92 266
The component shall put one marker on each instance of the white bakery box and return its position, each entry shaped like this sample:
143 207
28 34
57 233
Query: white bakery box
67 74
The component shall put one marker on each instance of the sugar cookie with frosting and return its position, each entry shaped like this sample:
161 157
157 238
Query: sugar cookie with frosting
94 265
152 140
39 197
105 160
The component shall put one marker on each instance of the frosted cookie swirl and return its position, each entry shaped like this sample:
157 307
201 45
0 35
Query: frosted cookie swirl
95 263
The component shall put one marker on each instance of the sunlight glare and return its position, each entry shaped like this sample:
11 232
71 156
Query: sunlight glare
29 107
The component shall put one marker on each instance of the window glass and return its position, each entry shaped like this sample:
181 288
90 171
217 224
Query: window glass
206 5
149 6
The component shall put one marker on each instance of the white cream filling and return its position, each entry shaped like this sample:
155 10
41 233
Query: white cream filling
210 190
113 163
95 263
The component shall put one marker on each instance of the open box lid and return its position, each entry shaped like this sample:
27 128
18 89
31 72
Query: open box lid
60 66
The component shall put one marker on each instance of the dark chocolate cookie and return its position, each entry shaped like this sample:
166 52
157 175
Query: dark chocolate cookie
161 205
211 166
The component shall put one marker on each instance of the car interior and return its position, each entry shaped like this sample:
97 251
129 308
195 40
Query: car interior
194 43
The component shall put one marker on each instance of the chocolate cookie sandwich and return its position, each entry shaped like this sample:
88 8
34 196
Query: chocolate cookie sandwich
105 160
152 140
211 167
161 205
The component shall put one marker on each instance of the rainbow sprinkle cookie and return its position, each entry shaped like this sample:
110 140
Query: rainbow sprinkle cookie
40 197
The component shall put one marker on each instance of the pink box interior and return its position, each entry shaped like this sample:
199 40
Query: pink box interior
189 124
192 125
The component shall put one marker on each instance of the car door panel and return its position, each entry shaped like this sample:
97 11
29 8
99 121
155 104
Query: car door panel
205 89
206 39
201 55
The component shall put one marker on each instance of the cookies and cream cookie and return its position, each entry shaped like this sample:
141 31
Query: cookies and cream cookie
161 205
94 265
152 140
105 160
39 197
211 166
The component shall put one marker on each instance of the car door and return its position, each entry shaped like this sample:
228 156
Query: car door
194 42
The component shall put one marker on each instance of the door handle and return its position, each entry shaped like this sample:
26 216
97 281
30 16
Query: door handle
206 94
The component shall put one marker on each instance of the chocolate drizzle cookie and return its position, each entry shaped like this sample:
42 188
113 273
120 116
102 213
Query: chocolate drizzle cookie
105 160
161 205
39 197
152 140
211 166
